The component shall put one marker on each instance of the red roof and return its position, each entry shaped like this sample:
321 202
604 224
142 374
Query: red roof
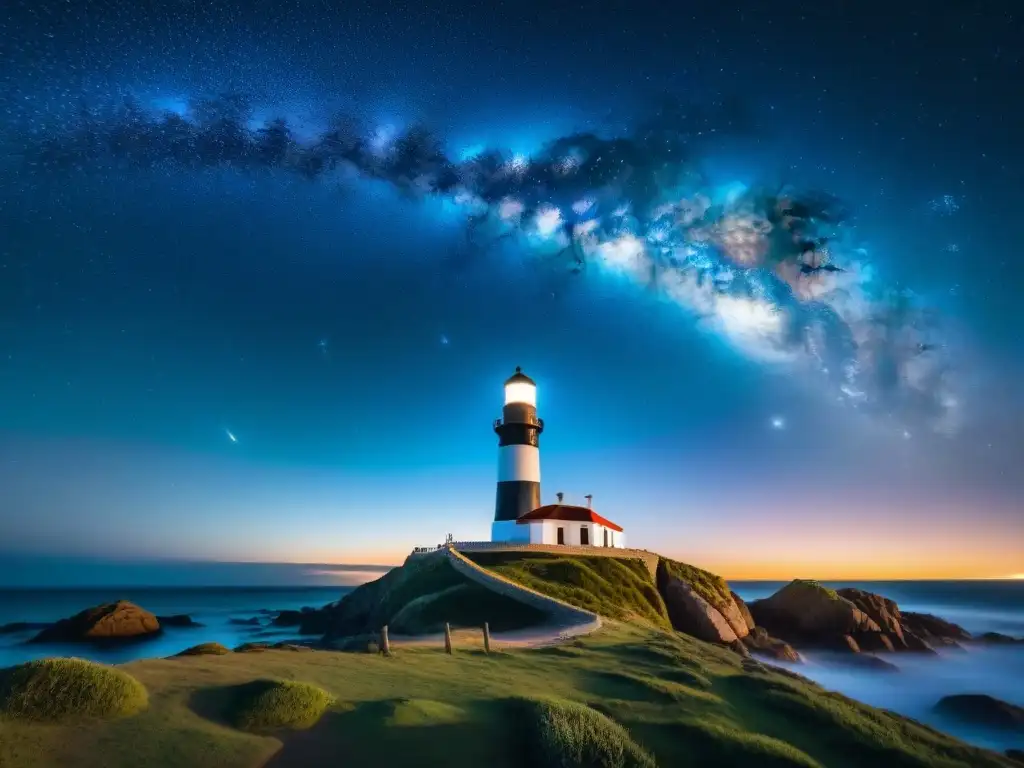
567 512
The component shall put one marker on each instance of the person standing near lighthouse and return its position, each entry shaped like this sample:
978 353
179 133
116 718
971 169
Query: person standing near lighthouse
518 433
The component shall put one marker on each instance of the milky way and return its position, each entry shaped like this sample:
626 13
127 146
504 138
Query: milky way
778 273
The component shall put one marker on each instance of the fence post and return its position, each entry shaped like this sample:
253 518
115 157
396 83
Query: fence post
487 638
447 638
385 644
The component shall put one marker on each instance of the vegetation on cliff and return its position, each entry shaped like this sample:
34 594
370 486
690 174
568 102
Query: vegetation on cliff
61 689
618 588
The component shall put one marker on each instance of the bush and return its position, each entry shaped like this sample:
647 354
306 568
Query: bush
268 704
716 744
59 689
205 649
564 733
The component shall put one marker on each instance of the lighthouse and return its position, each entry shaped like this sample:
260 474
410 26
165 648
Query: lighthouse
518 432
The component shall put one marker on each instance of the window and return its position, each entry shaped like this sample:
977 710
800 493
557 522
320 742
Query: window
561 535
584 537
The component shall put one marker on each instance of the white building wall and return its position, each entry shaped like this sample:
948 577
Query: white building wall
546 532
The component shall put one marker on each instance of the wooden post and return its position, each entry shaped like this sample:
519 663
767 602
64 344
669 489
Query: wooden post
487 638
385 645
447 638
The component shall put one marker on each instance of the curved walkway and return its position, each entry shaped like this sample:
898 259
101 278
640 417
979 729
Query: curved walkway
566 620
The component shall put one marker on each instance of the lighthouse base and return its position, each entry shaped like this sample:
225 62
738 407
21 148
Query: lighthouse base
510 531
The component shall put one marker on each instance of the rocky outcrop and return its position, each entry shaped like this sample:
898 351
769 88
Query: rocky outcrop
979 709
1016 755
759 641
932 628
118 621
807 611
744 611
692 614
884 612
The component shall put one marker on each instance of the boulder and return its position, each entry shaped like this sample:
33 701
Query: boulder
884 612
692 614
109 622
759 641
1016 755
734 616
983 710
808 612
180 620
867 661
915 643
748 618
932 629
287 619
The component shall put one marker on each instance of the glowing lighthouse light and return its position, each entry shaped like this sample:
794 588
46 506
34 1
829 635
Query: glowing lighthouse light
520 391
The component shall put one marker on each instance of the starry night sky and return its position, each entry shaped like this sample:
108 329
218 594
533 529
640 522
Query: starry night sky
243 364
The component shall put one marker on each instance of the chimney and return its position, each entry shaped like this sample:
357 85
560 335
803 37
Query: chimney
559 496
590 500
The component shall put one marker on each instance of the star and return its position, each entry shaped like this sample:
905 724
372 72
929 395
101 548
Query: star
444 340
231 435
778 422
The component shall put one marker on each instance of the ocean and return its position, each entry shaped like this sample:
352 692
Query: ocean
980 606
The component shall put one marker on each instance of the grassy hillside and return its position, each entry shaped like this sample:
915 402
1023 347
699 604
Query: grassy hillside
420 597
616 588
629 695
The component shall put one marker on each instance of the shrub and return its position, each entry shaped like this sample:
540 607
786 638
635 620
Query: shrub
268 704
564 733
59 689
205 649
717 744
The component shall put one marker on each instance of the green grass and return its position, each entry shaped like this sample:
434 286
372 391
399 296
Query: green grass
561 734
206 649
264 705
619 588
60 689
464 605
831 594
712 588
685 702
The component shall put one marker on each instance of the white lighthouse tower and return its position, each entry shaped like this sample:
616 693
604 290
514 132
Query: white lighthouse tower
518 459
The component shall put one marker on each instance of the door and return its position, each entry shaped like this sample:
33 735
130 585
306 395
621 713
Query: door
606 537
561 535
584 537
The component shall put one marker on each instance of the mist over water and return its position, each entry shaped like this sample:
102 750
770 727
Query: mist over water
978 606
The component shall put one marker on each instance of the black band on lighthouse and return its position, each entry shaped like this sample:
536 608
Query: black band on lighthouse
516 498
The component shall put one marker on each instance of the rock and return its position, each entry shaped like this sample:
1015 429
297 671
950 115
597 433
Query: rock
932 628
748 619
740 648
179 620
118 621
734 617
884 612
759 641
690 613
874 641
980 709
915 643
845 643
205 649
22 626
287 619
992 638
1016 754
806 611
253 622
